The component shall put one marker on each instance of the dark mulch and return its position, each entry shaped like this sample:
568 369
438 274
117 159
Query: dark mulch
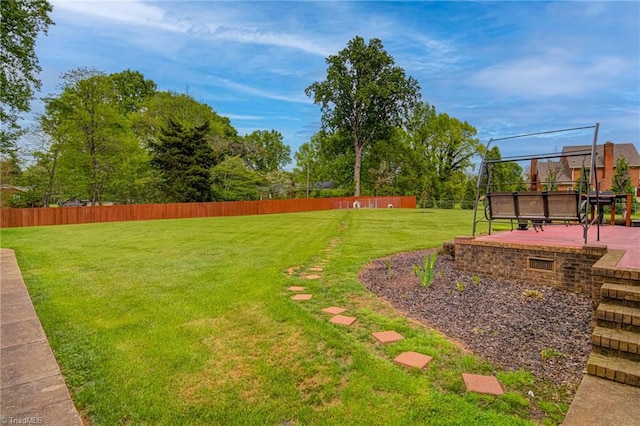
549 336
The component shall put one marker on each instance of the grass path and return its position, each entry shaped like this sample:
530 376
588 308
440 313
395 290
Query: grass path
190 322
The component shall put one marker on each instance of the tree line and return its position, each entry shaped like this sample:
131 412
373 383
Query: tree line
116 138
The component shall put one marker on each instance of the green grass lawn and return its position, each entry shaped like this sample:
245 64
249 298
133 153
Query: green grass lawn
189 322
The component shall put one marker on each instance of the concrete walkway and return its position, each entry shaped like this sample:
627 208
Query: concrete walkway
32 389
601 402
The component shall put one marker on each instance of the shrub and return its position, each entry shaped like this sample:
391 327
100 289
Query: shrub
429 203
447 203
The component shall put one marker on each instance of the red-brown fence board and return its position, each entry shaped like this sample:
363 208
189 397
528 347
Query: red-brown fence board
14 218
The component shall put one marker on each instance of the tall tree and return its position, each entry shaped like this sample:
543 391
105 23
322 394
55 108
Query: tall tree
505 176
364 95
46 153
85 118
184 158
306 170
163 107
232 180
392 167
132 90
268 152
90 150
445 146
21 22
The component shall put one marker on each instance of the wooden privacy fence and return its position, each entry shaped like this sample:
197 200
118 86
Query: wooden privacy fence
14 218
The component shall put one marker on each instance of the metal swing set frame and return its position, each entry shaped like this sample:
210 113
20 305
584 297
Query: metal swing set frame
539 207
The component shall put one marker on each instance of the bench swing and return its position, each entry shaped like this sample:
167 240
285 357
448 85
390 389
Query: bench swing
538 208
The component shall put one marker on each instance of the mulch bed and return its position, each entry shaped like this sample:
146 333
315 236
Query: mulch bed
515 325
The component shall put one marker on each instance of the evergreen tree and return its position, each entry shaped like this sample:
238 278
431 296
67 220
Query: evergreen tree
469 197
184 159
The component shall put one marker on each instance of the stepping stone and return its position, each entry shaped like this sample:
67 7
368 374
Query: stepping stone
387 336
311 277
342 320
333 310
295 288
413 359
482 384
302 297
316 269
292 271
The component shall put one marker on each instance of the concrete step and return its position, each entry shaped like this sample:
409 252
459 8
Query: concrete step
612 368
611 315
613 342
622 294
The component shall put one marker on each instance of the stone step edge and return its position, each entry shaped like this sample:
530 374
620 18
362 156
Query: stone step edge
620 340
617 369
619 314
629 293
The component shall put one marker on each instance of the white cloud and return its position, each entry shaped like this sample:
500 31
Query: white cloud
126 12
254 36
549 75
431 55
249 90
220 25
242 117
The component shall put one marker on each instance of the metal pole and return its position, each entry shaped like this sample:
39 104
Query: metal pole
594 176
478 185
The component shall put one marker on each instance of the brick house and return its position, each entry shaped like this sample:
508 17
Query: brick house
566 172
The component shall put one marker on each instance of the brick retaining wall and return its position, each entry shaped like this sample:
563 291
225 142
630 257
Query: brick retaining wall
568 268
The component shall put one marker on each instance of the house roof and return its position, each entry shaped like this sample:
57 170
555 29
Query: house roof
626 150
544 167
6 187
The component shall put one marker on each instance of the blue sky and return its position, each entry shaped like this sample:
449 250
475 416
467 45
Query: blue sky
505 67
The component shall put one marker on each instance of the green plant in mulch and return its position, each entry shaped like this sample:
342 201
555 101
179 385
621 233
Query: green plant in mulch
427 272
549 353
389 264
534 294
479 331
460 286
